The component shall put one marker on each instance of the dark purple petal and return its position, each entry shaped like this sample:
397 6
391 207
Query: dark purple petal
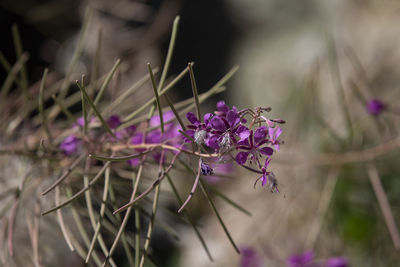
233 118
266 151
213 141
218 124
337 262
205 168
241 157
207 118
221 106
113 121
192 118
260 134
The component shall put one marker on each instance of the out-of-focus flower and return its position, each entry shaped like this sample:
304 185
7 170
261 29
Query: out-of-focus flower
70 144
80 121
114 121
375 106
249 258
336 262
221 169
301 260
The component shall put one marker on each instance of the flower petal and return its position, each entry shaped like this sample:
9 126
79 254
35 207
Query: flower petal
241 157
233 118
266 151
260 134
213 141
113 121
221 106
218 124
192 118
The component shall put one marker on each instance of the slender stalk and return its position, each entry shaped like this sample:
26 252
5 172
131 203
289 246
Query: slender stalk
103 122
61 221
194 90
128 92
19 51
12 75
196 181
102 208
384 204
80 192
66 112
105 84
153 82
76 55
126 217
65 174
189 219
169 53
151 101
41 107
153 213
96 61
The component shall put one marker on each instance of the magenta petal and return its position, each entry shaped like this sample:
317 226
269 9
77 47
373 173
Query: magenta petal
155 120
192 118
264 179
260 134
301 260
241 157
207 118
243 133
336 262
137 138
221 106
232 117
113 121
266 151
133 162
213 141
218 124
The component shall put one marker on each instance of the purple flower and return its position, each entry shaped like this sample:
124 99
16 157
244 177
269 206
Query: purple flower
226 129
273 134
80 121
70 144
198 131
249 258
220 170
375 106
255 146
336 262
205 168
114 121
301 260
268 178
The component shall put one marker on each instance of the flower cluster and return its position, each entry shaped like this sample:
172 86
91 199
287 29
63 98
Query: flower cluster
245 136
227 131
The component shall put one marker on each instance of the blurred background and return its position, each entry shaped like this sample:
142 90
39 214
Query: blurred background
316 63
